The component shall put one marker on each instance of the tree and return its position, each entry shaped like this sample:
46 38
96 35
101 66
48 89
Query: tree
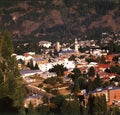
58 100
30 65
115 59
78 79
75 75
72 58
47 89
10 84
82 83
53 80
58 69
91 72
7 46
76 86
6 106
97 105
89 85
115 69
100 105
22 110
106 84
31 109
111 47
77 72
36 67
70 108
97 82
43 110
91 105
115 110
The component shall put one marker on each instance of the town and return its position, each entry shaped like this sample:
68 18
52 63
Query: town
79 69
59 57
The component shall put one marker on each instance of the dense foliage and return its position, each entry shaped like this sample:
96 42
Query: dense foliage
11 87
58 69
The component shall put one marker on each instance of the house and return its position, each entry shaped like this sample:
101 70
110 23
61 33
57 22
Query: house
46 44
46 75
26 73
102 67
110 57
92 64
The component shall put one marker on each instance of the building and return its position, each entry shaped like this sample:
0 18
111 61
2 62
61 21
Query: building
26 73
76 45
112 94
46 44
58 46
64 61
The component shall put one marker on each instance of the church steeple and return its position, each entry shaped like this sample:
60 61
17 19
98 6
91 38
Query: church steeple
76 45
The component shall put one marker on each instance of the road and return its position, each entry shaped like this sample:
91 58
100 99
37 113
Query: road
40 91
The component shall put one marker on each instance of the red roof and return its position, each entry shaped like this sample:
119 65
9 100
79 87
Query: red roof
103 66
26 54
110 57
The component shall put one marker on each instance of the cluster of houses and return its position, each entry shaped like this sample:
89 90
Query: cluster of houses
46 63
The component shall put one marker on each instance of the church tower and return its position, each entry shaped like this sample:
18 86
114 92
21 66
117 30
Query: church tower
76 45
58 46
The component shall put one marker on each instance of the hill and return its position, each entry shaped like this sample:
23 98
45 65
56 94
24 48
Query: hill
59 19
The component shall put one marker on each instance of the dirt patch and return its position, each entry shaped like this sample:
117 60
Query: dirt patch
64 92
29 26
56 17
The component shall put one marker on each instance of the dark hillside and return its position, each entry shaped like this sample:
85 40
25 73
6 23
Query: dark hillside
56 19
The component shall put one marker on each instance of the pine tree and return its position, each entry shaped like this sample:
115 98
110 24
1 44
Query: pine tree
10 84
97 82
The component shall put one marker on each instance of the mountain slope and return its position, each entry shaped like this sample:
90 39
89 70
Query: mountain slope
59 18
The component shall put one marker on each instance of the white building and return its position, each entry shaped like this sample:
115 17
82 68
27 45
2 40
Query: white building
46 44
92 64
68 64
46 75
26 57
97 52
18 57
26 73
